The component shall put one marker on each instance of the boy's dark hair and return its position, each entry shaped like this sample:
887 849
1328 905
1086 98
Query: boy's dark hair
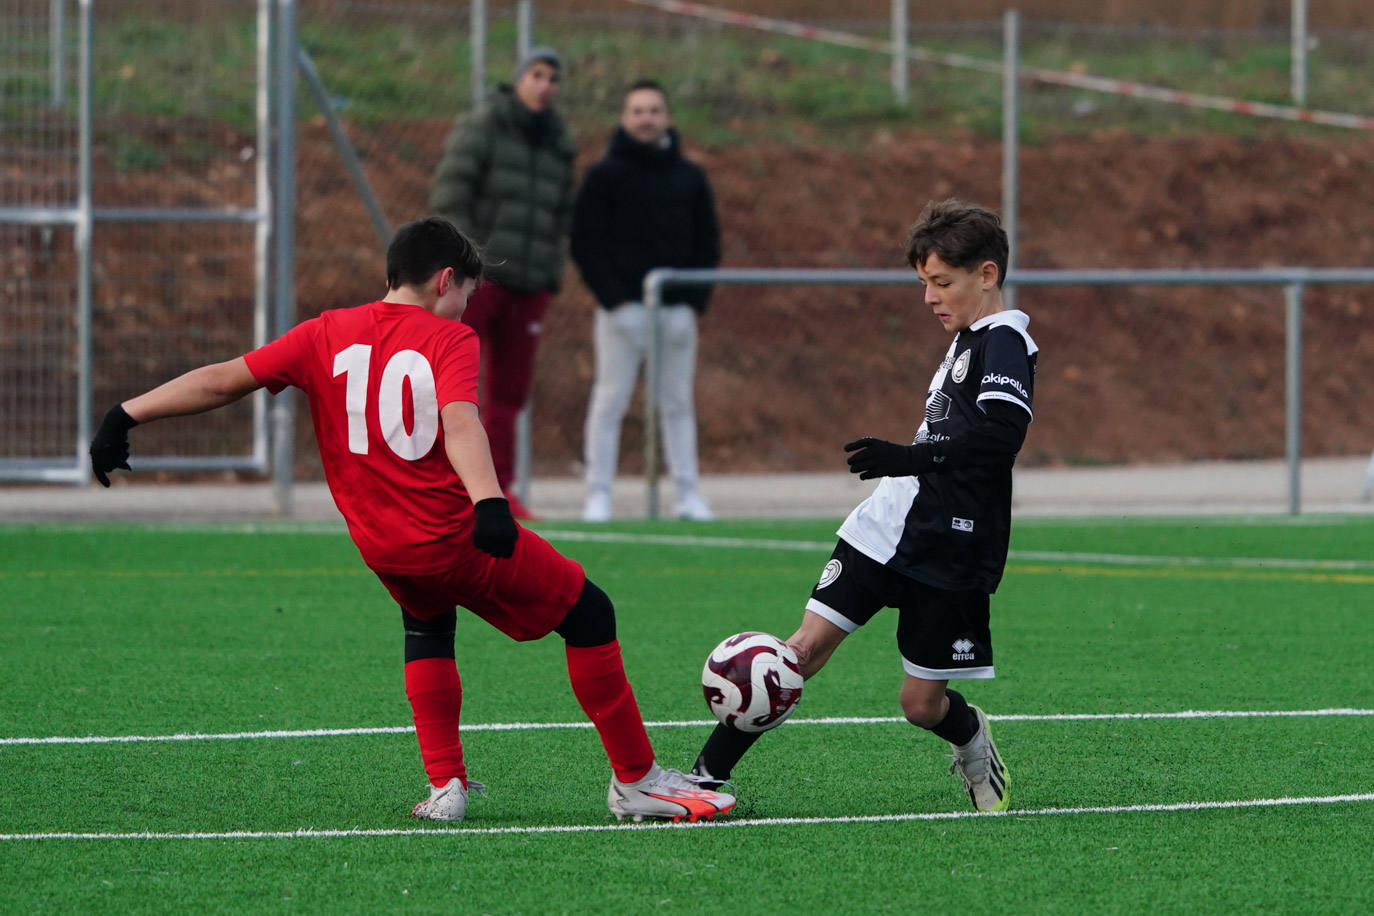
648 84
422 248
963 235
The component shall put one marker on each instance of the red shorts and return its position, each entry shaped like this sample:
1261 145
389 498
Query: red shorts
524 596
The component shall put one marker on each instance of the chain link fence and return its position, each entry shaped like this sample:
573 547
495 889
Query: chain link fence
813 163
169 204
38 171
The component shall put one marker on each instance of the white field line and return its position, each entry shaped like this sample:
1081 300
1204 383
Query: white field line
1121 559
686 540
1022 520
311 833
685 723
735 543
1046 556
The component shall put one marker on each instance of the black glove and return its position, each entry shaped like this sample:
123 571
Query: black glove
495 531
110 447
880 458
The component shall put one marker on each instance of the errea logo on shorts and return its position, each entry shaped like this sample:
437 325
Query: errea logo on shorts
961 524
830 573
963 650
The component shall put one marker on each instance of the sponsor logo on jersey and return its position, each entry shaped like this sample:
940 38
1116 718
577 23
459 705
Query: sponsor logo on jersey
961 524
997 378
830 573
961 367
963 650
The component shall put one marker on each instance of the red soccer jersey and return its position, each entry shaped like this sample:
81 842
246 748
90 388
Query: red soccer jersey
377 377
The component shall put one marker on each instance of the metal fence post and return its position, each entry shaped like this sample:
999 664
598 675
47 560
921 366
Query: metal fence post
284 226
524 29
477 42
1299 53
57 51
262 225
524 427
347 152
653 296
901 66
1011 126
524 452
1293 394
84 230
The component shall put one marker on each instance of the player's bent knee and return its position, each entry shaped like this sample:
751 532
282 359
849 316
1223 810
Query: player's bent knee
591 621
429 638
923 713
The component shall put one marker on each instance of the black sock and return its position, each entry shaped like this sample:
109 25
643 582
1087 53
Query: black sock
722 751
959 724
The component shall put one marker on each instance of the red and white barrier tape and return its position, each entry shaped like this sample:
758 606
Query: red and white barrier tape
1057 77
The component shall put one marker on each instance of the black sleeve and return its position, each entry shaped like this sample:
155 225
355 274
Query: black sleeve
1008 371
992 441
590 240
705 243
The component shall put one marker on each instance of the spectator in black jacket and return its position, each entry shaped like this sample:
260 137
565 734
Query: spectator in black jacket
643 206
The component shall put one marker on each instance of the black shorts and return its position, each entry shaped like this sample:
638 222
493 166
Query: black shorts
942 635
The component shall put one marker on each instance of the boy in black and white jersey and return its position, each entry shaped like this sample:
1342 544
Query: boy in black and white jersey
932 539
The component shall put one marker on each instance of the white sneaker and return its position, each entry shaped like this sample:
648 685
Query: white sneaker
693 508
448 802
668 794
978 763
597 508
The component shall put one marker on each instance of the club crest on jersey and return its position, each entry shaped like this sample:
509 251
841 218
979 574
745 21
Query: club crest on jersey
960 371
830 573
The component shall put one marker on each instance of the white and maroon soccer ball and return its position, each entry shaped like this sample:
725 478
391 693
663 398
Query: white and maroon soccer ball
752 681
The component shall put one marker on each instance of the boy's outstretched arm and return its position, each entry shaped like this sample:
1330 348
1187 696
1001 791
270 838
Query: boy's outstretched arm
195 392
995 439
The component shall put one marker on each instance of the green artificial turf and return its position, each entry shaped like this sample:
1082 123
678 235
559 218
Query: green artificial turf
156 632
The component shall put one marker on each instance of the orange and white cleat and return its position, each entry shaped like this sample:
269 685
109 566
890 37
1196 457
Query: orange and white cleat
668 795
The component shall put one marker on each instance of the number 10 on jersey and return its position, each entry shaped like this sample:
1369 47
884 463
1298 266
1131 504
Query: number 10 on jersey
355 364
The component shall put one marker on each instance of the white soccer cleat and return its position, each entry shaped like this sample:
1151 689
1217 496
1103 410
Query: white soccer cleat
979 765
448 802
692 507
667 794
597 508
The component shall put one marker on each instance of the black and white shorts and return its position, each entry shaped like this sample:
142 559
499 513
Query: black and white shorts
942 635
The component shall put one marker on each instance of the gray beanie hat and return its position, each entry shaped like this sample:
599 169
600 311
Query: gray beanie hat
534 55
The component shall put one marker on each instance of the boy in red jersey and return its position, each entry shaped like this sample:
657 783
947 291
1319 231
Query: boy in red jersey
393 390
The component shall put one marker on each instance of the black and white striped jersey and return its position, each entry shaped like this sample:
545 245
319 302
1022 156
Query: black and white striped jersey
949 528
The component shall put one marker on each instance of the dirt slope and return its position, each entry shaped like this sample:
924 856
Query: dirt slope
787 374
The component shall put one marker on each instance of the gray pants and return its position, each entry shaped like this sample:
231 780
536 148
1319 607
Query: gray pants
621 339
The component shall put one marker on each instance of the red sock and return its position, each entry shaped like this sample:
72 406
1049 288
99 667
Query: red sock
436 698
599 683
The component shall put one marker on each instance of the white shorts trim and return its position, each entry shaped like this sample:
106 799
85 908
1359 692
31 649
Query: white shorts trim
820 609
947 674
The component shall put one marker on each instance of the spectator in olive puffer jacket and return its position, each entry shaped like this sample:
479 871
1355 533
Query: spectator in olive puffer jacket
506 180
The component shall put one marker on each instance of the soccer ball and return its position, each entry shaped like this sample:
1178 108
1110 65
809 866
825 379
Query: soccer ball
752 681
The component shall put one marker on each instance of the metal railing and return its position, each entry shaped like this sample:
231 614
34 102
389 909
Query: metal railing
83 216
1294 280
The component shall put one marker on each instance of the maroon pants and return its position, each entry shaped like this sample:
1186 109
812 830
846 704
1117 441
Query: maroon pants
508 325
